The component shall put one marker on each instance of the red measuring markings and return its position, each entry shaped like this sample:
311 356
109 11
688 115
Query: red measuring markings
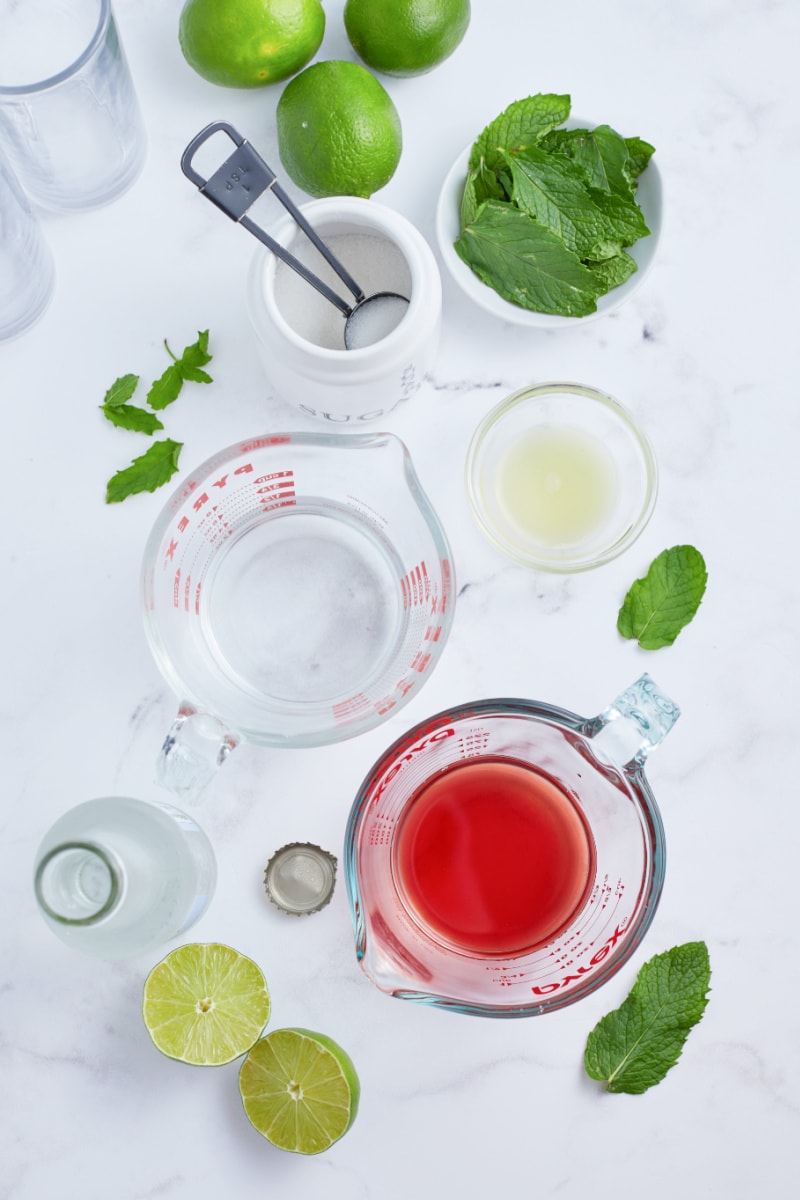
347 709
276 490
547 989
182 595
417 589
199 506
415 586
260 443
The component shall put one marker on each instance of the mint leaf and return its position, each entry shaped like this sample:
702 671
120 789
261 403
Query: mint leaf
639 155
120 391
633 1048
129 416
600 153
624 217
168 386
556 195
611 272
194 357
145 473
526 263
519 125
658 606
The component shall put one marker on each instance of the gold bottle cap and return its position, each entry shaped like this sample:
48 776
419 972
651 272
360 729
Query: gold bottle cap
300 878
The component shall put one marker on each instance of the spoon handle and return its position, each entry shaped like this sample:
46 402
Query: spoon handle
238 183
282 253
313 236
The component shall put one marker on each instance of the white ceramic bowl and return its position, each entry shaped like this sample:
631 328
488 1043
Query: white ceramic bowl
448 227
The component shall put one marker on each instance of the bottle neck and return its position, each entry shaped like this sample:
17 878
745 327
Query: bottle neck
77 883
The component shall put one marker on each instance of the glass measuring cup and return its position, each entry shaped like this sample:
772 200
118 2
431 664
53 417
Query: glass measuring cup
298 590
505 858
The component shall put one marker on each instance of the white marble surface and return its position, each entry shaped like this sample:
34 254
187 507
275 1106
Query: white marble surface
705 355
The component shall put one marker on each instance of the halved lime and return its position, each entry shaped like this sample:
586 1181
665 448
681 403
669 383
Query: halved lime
300 1090
205 1004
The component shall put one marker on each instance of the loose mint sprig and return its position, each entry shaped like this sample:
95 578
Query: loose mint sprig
160 462
116 409
633 1048
189 366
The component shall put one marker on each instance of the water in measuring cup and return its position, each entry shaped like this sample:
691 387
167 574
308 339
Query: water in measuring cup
306 607
375 263
118 876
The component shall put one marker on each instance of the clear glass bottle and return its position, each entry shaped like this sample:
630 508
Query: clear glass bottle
116 876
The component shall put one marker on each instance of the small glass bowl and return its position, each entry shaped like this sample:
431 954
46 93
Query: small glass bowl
560 477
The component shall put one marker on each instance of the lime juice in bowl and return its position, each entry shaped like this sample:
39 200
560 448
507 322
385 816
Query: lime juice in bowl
556 486
560 477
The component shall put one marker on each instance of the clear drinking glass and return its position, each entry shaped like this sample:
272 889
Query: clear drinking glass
117 876
26 264
69 118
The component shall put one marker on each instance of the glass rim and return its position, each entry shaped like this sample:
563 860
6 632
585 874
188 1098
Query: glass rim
108 904
563 565
51 81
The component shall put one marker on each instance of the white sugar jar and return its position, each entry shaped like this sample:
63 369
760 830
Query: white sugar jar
301 334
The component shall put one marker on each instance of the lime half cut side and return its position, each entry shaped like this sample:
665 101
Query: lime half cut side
300 1090
205 1004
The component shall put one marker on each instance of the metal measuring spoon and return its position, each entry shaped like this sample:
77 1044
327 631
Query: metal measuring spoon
238 183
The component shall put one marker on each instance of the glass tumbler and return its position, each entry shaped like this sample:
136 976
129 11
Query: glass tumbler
26 264
69 117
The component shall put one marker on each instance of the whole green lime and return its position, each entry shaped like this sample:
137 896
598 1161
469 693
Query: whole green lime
405 37
250 43
339 133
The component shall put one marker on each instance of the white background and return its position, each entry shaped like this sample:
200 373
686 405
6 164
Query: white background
705 356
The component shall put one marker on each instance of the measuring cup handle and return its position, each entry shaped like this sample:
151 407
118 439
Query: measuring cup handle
193 751
636 722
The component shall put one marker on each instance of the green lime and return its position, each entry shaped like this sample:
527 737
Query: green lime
300 1090
249 43
339 133
405 37
205 1004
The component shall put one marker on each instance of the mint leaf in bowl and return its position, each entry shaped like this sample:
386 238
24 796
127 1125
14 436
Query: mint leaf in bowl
598 193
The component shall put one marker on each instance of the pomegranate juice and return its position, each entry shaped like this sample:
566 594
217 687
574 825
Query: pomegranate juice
494 857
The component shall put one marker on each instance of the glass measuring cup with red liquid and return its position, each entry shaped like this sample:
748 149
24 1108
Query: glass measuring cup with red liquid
505 858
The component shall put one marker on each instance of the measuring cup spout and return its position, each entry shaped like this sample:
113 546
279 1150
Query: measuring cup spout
636 722
193 751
